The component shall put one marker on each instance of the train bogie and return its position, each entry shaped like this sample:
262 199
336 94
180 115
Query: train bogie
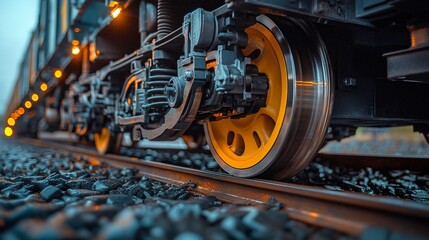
266 82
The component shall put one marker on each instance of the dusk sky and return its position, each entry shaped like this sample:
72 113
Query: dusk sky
17 21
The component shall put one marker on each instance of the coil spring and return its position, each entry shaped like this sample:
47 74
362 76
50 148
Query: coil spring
155 97
164 17
141 99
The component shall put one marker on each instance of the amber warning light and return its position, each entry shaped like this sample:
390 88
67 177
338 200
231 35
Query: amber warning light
115 12
44 86
8 131
58 74
35 97
28 104
75 50
21 110
11 122
116 9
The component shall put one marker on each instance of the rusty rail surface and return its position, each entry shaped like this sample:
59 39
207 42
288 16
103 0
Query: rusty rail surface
344 211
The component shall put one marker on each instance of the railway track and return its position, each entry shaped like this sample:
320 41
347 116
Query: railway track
375 161
347 212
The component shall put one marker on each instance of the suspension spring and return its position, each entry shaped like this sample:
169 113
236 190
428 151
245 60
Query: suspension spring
155 98
164 17
140 100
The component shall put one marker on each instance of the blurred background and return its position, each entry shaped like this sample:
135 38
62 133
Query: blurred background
17 20
397 141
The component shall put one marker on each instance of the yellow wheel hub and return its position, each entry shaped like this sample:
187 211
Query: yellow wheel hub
243 143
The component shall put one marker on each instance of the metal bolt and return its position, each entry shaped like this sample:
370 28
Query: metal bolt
350 82
188 75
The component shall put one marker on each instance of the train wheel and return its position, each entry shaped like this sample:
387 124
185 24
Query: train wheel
281 138
107 141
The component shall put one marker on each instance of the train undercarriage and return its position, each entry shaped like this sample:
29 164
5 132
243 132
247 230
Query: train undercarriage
266 83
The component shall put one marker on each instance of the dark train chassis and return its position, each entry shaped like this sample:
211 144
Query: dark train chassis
343 66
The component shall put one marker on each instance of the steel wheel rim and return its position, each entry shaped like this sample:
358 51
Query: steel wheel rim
246 141
306 87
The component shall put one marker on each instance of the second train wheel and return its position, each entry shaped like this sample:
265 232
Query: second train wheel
283 137
108 141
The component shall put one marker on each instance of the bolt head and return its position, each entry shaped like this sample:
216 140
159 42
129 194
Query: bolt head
188 75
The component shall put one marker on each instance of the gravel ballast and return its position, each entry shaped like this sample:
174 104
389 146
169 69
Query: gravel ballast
49 194
403 184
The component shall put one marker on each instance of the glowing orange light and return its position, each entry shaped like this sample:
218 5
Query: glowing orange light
21 110
93 52
75 50
115 12
14 116
28 104
43 87
75 42
11 121
77 30
35 97
8 131
113 4
58 73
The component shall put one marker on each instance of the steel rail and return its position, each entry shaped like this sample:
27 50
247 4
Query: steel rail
344 211
376 161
